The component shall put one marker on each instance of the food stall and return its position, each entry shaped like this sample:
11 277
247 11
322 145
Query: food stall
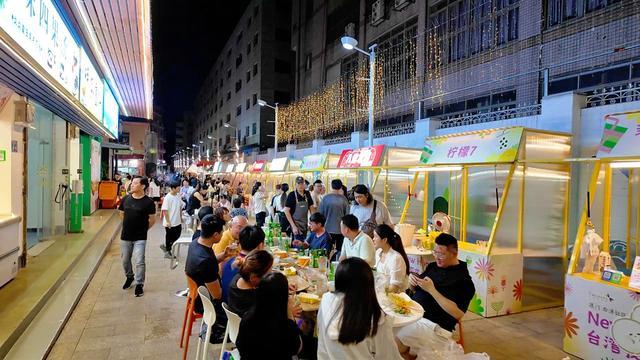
506 193
256 172
282 170
313 167
602 288
240 175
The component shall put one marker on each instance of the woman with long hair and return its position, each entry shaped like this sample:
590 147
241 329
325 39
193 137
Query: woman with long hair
370 212
280 205
351 324
268 331
391 259
251 269
259 203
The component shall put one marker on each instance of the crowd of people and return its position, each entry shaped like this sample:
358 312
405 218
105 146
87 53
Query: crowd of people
227 255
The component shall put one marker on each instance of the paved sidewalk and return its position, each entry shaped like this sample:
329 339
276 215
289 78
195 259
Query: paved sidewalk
111 323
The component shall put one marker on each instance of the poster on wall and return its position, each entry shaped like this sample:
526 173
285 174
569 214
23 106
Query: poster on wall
95 173
487 146
601 321
37 27
620 135
91 87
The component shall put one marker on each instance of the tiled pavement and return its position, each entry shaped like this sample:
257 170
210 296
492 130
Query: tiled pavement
110 323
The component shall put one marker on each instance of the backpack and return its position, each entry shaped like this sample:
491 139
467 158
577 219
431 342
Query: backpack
370 225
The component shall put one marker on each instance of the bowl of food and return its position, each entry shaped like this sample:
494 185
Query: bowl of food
281 254
399 304
289 271
303 261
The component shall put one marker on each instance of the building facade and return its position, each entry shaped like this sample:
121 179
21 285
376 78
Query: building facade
255 63
447 60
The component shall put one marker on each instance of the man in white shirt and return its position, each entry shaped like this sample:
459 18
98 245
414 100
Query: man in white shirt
171 218
316 194
356 243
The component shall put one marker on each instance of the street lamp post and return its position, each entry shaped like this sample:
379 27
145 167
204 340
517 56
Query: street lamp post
275 124
350 43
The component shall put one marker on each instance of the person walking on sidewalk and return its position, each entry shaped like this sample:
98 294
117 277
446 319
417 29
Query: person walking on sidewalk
334 207
137 212
171 218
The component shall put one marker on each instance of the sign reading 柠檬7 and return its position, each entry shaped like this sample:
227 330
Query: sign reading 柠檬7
490 146
620 135
37 27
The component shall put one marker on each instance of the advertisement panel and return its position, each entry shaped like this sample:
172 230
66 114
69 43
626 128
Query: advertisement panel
38 28
620 135
278 164
258 166
314 162
91 88
110 111
363 157
487 146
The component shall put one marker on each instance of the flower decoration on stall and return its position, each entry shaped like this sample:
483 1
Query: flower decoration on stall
484 269
570 326
634 295
517 290
475 306
497 306
493 290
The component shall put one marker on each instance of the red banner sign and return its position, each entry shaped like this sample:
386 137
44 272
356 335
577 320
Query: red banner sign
258 166
363 157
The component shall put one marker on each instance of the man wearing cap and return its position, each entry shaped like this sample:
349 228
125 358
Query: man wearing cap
297 207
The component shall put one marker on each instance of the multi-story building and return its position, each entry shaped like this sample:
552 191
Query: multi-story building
449 59
255 63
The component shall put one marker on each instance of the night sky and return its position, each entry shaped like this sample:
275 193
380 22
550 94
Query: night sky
187 37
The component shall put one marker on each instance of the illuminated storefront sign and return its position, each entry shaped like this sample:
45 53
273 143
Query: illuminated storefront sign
39 29
91 89
110 112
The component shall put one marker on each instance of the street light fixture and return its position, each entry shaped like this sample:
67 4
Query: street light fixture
350 43
275 123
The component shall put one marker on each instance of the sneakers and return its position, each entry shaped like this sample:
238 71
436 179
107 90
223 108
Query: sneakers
127 283
139 291
163 247
167 255
182 293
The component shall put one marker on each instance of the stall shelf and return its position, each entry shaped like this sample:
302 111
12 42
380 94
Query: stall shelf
602 318
506 192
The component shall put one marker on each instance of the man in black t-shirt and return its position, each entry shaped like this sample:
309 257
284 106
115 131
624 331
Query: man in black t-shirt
137 212
297 208
444 290
202 267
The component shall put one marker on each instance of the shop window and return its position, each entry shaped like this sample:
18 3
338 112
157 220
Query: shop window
563 85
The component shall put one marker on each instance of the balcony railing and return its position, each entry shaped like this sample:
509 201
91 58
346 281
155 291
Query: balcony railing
613 95
338 140
395 130
484 116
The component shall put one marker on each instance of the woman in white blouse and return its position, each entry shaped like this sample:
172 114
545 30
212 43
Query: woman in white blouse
391 259
351 324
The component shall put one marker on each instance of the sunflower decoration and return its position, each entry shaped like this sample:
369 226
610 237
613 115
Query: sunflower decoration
570 326
517 290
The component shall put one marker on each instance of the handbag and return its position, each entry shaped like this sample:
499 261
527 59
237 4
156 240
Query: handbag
370 225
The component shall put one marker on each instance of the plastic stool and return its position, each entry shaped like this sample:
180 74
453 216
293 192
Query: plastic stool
190 316
209 317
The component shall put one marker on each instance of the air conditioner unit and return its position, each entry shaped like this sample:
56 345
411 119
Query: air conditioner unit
25 114
377 12
350 30
401 4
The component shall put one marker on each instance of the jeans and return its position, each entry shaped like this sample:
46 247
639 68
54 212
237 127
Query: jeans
260 217
171 235
136 249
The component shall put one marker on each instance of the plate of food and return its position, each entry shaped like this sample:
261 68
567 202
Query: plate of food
309 302
400 308
294 279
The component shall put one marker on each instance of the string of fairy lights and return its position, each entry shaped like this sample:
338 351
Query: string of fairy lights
460 62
